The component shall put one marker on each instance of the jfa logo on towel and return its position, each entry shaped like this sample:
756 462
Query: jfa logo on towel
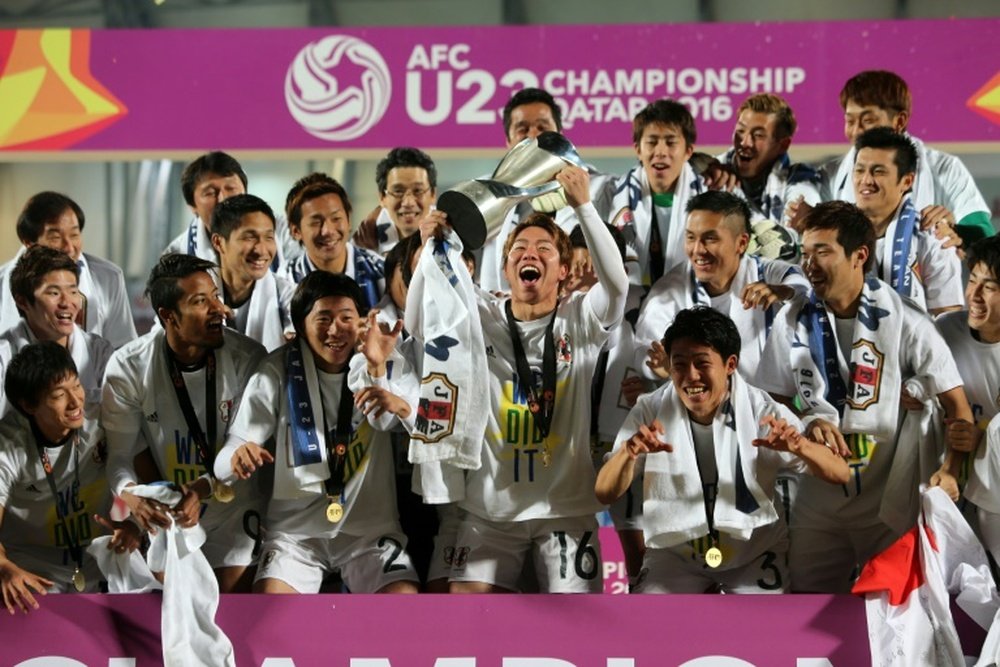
436 410
866 374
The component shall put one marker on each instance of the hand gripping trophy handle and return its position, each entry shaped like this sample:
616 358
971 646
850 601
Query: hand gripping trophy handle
478 208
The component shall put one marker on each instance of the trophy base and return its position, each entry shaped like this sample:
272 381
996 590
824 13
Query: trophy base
465 218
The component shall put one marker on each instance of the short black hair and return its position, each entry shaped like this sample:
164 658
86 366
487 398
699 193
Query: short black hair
667 112
401 255
313 191
885 138
985 251
852 226
34 370
228 214
404 156
162 288
216 162
707 327
578 240
43 208
531 96
724 203
31 268
318 285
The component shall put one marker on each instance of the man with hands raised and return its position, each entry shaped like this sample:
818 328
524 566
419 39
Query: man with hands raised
710 519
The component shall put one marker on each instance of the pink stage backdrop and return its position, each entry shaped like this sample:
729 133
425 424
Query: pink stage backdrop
438 88
458 631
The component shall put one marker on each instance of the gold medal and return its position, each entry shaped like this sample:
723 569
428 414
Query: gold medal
713 557
223 492
546 457
79 581
334 512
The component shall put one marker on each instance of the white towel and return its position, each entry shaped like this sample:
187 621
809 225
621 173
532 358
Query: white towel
673 493
442 312
125 572
871 404
749 271
303 481
632 214
188 631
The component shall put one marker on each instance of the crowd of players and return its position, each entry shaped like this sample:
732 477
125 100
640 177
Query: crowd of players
752 362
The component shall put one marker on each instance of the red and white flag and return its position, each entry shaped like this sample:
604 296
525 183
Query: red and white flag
907 589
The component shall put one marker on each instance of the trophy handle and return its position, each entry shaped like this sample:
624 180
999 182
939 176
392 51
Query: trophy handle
500 189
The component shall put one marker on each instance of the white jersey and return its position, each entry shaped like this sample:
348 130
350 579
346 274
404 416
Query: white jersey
266 315
491 276
513 484
140 408
941 179
30 522
936 271
368 498
767 466
921 354
978 363
679 290
90 353
106 310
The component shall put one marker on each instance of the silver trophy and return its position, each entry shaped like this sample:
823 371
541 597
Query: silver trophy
477 209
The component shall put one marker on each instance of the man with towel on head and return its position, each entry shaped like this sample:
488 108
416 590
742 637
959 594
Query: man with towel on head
531 496
332 505
712 447
844 350
169 398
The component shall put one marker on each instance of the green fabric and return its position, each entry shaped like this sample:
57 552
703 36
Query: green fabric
975 226
664 199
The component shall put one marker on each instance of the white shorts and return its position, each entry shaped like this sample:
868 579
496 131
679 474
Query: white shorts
449 521
232 534
826 558
682 569
366 564
566 553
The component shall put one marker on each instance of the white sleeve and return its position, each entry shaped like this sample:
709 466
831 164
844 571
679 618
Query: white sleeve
926 354
941 273
256 418
607 297
657 313
122 419
961 196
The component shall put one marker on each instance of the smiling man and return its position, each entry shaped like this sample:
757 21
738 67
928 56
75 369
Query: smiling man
256 299
532 496
331 506
54 495
913 261
769 180
319 216
944 192
719 274
650 201
407 186
973 336
712 447
844 350
168 400
44 286
54 220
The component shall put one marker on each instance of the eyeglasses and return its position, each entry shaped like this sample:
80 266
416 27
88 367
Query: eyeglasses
401 193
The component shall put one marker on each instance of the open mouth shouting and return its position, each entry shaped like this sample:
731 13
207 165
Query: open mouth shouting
529 275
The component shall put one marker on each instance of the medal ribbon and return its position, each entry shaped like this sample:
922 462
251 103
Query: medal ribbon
75 550
206 445
338 439
544 409
709 491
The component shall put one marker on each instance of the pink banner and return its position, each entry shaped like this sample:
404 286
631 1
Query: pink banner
457 631
443 88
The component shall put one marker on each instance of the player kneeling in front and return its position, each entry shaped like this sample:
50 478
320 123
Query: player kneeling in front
54 494
332 506
710 520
